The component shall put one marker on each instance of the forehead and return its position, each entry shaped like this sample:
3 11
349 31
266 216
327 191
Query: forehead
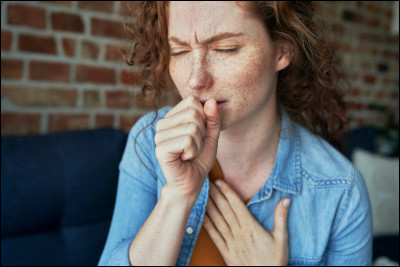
207 18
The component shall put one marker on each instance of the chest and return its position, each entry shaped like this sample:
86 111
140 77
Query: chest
247 183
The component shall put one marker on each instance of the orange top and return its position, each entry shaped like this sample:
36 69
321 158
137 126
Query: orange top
205 253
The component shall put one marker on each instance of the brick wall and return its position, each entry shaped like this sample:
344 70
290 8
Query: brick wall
370 54
61 66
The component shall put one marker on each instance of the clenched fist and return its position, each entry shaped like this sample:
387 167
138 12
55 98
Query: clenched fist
186 145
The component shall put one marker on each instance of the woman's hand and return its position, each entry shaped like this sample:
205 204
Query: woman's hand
240 239
186 146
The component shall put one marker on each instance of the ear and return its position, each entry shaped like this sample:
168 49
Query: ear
284 55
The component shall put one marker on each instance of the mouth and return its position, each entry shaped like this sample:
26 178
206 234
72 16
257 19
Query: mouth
220 103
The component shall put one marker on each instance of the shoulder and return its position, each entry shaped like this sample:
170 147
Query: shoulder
322 164
145 127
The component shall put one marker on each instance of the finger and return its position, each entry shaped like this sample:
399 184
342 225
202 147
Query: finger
241 211
225 209
213 116
183 117
189 102
180 130
215 235
279 232
220 223
181 147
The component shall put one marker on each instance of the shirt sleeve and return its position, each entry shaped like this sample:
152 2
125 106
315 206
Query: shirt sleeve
351 242
136 195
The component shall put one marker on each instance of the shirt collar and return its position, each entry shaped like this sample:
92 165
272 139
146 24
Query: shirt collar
286 174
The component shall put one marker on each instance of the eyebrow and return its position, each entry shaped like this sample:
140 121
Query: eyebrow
215 38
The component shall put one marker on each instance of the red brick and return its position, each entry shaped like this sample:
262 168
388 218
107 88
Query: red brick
126 122
374 23
36 96
342 46
67 22
68 46
102 6
37 44
6 39
131 77
369 79
118 99
362 49
393 40
49 71
20 14
104 120
114 52
95 74
89 50
366 65
11 69
332 12
165 99
389 13
58 3
379 95
124 8
68 122
372 7
19 123
364 36
386 81
355 92
91 99
390 54
337 28
353 106
107 28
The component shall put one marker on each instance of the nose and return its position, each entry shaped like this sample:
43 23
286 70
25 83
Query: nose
199 78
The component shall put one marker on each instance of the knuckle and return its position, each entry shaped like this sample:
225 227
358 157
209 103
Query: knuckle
157 138
193 129
191 98
159 124
189 141
282 215
194 115
158 152
190 147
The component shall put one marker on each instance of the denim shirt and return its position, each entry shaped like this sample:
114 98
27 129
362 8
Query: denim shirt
329 221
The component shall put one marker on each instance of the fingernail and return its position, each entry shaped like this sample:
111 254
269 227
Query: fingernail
218 183
286 203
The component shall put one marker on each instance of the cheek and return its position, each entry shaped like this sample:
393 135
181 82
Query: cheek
245 76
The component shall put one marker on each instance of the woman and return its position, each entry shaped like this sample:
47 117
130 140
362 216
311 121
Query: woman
209 181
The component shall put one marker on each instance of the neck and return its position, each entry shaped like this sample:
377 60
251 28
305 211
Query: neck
251 144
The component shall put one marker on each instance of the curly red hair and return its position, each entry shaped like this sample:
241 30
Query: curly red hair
311 88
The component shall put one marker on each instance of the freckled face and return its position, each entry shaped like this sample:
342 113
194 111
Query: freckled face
240 70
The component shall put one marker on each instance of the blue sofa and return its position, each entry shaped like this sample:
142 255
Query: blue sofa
58 192
57 196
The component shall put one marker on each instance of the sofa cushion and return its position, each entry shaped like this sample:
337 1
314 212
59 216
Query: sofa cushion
58 180
72 246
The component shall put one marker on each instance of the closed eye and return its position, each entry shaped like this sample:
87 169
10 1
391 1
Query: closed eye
231 50
178 53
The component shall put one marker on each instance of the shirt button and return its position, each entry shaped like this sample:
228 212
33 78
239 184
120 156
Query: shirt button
189 230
